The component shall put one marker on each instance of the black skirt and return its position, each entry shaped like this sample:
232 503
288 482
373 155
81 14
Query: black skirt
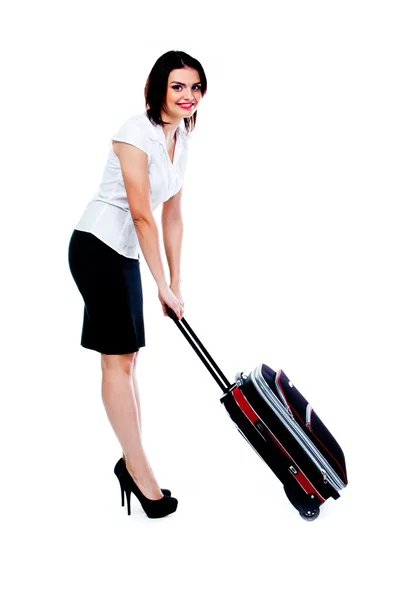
111 288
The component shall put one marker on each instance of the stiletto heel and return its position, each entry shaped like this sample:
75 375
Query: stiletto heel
128 500
122 493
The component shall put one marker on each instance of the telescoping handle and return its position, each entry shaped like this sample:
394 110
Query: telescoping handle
201 352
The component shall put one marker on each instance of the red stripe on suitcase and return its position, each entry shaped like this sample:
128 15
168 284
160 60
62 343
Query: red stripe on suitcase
242 401
250 413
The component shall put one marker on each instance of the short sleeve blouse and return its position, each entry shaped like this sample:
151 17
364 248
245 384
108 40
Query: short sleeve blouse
107 215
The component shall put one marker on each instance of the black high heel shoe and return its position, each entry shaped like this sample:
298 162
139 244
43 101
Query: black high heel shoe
154 509
121 466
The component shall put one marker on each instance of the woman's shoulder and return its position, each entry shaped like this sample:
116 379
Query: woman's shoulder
136 130
138 121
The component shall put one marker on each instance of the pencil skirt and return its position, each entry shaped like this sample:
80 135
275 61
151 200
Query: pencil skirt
111 288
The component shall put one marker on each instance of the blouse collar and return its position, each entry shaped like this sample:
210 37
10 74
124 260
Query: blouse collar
157 132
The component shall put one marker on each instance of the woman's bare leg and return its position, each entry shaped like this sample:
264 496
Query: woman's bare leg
136 391
136 394
121 408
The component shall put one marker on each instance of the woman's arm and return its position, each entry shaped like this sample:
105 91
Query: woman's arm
172 225
134 168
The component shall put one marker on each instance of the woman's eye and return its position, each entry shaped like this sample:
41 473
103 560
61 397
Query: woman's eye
179 86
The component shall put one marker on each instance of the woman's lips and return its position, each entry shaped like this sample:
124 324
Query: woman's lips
186 106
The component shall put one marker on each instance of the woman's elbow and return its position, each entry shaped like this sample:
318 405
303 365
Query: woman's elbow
142 219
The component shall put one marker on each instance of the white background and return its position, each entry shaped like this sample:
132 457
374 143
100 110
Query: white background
290 258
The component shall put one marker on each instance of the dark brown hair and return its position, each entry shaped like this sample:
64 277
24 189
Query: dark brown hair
155 91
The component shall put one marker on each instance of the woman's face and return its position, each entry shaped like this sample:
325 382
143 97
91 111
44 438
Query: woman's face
183 88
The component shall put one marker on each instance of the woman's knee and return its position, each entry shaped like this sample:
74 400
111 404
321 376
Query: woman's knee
118 362
135 357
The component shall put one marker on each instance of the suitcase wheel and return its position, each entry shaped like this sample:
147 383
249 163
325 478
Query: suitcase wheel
302 503
310 515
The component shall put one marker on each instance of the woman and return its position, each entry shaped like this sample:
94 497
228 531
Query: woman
145 168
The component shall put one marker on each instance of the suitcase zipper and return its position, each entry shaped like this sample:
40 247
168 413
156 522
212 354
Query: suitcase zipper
283 398
285 402
308 416
318 459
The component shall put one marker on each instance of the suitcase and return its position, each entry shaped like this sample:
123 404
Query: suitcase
282 427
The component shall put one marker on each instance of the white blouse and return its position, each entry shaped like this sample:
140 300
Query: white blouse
107 215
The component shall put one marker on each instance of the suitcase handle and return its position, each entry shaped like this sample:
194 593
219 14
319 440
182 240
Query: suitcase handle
201 352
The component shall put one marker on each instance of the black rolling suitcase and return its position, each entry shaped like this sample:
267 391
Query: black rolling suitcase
282 427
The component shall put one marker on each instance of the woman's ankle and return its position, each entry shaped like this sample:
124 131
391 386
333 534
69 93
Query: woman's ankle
144 478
